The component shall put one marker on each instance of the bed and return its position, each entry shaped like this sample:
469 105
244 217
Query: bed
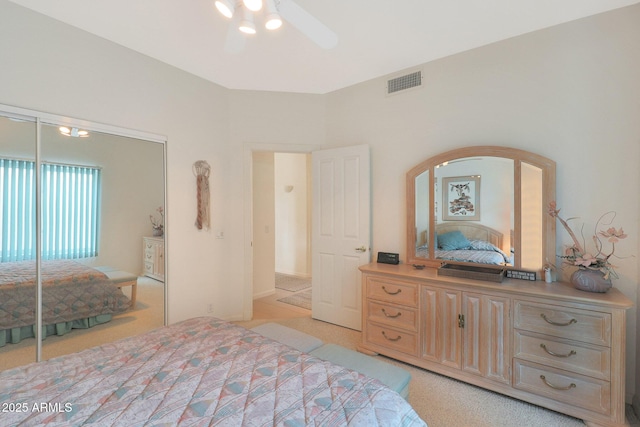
73 296
468 242
198 372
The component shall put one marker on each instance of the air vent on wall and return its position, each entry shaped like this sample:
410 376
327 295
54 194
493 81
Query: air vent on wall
405 82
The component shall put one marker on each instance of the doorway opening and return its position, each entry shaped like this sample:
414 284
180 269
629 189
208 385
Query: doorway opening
281 224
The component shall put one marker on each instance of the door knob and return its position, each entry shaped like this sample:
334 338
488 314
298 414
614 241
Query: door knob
361 249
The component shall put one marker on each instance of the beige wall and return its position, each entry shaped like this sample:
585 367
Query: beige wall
569 93
58 69
293 227
100 81
264 121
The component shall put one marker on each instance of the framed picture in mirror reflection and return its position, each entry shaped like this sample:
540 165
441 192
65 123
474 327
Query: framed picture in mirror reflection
461 198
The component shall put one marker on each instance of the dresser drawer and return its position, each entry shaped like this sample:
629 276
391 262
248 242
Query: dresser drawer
393 315
148 268
573 389
395 339
581 358
395 291
576 324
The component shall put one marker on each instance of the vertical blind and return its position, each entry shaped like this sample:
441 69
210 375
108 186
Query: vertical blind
70 211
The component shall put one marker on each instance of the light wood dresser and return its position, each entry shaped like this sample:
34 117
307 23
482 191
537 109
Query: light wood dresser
547 344
153 257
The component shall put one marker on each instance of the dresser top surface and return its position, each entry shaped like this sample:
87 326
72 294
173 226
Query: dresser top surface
555 290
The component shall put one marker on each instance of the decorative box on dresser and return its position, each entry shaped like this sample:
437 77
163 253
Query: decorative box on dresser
153 257
547 344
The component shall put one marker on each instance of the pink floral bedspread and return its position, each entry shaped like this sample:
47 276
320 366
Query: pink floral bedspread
198 372
70 291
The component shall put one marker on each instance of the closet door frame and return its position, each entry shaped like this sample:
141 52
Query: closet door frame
39 118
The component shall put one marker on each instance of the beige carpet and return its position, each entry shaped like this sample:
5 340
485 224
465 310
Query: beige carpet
441 401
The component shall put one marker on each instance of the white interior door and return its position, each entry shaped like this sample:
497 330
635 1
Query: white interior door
341 233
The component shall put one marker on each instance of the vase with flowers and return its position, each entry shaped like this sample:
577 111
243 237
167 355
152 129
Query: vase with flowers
158 224
595 269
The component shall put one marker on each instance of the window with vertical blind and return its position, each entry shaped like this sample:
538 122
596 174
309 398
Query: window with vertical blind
70 210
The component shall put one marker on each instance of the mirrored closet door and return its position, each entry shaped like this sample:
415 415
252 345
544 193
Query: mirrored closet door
17 239
102 197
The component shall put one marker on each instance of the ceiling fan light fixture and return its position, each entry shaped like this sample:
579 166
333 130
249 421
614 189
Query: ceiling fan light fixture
247 27
74 132
225 7
252 5
273 21
246 24
272 15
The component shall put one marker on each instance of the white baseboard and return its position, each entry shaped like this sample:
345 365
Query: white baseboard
264 294
294 273
236 318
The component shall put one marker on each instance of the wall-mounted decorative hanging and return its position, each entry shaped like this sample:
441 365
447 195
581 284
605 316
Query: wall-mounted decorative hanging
202 170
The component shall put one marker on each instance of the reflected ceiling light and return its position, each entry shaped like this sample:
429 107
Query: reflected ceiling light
253 5
226 7
272 19
246 25
74 132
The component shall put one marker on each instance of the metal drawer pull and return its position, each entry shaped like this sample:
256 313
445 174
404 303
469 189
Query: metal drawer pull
555 323
391 293
392 316
544 347
391 339
569 387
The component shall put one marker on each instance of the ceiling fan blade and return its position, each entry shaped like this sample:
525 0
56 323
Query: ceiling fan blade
235 40
307 24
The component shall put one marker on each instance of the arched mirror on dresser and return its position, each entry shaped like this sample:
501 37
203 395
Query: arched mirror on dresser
481 205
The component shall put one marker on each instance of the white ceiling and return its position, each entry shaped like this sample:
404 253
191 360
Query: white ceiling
375 37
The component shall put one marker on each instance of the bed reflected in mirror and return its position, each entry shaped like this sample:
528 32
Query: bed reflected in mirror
473 222
128 188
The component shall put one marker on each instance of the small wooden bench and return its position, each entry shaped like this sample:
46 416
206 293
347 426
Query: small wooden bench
122 279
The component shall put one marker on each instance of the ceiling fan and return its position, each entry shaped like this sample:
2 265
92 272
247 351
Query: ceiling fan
243 12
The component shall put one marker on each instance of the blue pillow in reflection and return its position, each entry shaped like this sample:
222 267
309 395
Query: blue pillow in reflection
452 241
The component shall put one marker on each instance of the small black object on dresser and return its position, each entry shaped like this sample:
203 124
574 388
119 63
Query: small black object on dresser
388 258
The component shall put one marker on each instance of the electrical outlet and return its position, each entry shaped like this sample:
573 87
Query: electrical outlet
209 308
